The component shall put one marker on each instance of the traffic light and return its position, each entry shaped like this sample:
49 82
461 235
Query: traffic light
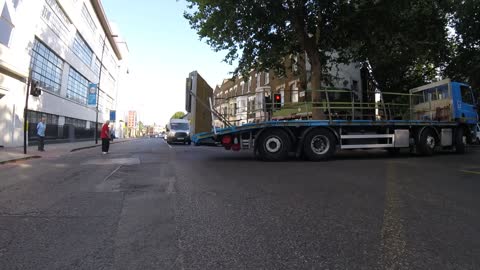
277 101
35 89
268 103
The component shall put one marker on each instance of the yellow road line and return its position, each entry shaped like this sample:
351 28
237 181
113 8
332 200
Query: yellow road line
393 232
472 172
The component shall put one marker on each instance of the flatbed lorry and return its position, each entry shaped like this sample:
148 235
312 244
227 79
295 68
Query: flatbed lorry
440 115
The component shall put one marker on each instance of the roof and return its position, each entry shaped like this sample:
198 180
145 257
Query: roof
102 17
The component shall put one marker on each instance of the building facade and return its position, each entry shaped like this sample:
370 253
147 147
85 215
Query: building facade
64 45
242 100
132 119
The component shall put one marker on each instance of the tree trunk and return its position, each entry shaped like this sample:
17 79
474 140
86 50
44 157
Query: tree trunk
317 109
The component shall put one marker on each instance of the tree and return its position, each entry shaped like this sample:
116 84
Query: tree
178 115
404 42
465 63
140 127
267 31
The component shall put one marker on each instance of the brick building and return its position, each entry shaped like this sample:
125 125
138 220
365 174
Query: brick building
241 100
132 119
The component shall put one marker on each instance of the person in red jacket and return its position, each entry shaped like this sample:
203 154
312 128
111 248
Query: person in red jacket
105 136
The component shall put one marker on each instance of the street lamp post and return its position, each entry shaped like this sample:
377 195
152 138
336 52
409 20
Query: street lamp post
98 87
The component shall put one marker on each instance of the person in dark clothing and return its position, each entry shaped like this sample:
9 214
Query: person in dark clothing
105 136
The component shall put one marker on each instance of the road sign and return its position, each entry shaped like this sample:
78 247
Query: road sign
92 95
113 115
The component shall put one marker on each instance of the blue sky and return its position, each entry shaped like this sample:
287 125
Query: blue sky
163 51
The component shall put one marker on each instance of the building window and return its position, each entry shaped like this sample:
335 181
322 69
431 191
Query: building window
267 77
96 66
88 19
242 85
35 117
294 89
82 50
77 87
249 84
6 26
467 96
258 80
56 19
46 67
105 102
78 123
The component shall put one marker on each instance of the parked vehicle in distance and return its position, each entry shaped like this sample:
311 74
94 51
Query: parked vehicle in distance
178 131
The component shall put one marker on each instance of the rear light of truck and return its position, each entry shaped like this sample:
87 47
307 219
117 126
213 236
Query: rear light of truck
227 140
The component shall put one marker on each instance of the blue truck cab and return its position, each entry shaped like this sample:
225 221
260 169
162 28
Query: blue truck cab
445 101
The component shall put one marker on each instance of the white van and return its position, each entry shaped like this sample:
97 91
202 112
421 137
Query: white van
478 133
178 130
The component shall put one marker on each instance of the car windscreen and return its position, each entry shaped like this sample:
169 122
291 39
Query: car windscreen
179 126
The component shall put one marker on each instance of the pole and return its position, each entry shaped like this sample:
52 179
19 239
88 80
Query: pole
25 113
98 90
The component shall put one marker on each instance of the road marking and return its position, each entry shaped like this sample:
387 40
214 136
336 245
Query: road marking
114 171
393 233
171 185
113 161
167 144
472 172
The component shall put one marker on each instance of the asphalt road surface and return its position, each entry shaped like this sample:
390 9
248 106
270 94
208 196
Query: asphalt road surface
150 206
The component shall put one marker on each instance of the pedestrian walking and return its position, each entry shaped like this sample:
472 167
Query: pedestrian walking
105 136
112 133
41 127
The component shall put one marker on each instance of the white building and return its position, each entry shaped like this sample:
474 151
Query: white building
67 44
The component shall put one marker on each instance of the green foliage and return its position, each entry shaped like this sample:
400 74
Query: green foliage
177 115
405 43
465 63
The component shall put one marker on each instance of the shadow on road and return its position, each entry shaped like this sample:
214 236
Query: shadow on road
341 155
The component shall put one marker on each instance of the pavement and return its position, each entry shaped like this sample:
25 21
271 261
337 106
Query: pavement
149 205
15 154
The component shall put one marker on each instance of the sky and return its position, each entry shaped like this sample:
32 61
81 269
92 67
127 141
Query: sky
163 50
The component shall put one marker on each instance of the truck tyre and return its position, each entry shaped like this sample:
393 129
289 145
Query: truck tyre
427 143
273 145
319 145
460 141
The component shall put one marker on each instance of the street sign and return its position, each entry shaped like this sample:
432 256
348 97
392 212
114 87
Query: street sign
92 95
113 115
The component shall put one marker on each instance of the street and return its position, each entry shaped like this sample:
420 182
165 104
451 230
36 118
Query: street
148 205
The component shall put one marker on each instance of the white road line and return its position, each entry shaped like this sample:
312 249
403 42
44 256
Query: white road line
171 185
114 171
167 144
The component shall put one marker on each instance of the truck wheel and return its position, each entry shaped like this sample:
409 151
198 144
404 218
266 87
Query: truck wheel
460 141
274 145
319 144
427 142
